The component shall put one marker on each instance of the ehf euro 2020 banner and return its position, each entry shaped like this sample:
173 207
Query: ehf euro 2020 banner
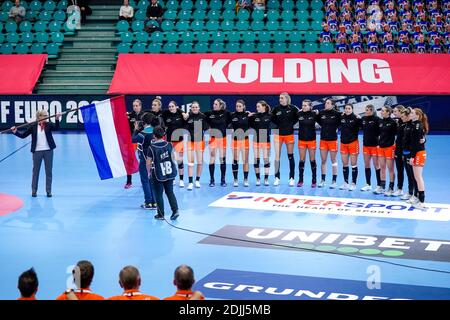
274 73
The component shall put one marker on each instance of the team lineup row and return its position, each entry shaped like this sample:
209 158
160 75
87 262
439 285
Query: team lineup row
396 139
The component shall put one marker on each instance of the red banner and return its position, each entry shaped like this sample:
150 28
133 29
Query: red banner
20 72
273 73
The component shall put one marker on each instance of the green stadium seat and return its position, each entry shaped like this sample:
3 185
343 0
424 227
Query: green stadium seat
248 47
213 15
287 25
302 5
2 37
170 15
123 48
62 5
201 47
31 15
227 25
243 15
295 36
302 15
217 47
217 36
45 16
287 5
258 15
201 5
57 37
142 36
37 48
264 36
311 36
294 47
12 38
311 47
52 50
232 47
186 5
10 26
248 36
273 15
59 15
41 37
157 37
272 25
167 25
6 48
69 30
55 26
25 26
41 26
280 36
326 47
143 4
154 48
122 26
184 15
137 26
233 36
197 25
186 47
199 15
127 37
171 36
316 4
212 25
257 25
172 5
35 5
215 4
139 47
263 47
170 47
316 25
140 15
229 5
202 36
302 25
4 16
49 5
188 36
317 15
22 48
229 15
242 25
287 15
273 4
279 47
27 38
7 5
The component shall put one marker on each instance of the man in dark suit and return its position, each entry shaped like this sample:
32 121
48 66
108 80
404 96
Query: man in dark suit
42 145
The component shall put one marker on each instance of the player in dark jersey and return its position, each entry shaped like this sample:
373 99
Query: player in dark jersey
399 164
371 132
412 194
218 120
133 117
156 110
307 141
260 122
350 125
284 116
240 141
386 150
174 121
196 125
329 120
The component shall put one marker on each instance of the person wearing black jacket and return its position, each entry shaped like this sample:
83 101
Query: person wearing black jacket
218 120
371 132
399 150
412 194
261 123
134 117
42 145
284 116
196 125
240 143
307 141
156 110
350 125
329 120
386 150
174 121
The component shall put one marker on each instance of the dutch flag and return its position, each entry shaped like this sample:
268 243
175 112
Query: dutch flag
109 136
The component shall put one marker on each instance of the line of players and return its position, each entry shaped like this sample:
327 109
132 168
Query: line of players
396 139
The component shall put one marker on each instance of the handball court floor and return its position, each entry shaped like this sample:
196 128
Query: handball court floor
101 221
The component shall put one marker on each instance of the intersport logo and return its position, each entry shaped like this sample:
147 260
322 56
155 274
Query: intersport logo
294 70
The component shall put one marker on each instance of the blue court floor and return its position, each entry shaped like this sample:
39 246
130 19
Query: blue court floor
101 221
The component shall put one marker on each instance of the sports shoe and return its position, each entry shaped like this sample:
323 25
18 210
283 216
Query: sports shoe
34 194
333 185
366 187
291 182
398 193
321 184
246 183
405 196
276 182
412 200
389 193
266 182
128 186
223 183
211 183
419 205
258 182
174 216
190 186
352 187
235 183
378 190
147 206
154 206
49 194
197 184
300 184
181 184
159 217
314 184
345 186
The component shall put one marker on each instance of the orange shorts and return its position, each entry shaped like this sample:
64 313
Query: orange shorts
307 144
329 145
217 142
196 146
350 148
261 145
373 151
388 152
178 146
286 139
240 144
420 158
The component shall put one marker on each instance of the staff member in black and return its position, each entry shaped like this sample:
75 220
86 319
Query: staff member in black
42 145
162 170
400 165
